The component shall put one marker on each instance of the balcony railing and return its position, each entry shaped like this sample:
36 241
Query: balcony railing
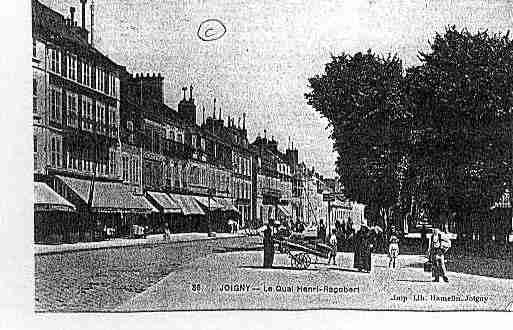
271 192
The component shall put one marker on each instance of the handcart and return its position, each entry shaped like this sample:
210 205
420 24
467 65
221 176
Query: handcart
299 251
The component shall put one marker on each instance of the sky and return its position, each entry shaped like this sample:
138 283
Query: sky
261 65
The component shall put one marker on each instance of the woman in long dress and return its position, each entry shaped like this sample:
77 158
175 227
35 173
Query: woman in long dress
363 249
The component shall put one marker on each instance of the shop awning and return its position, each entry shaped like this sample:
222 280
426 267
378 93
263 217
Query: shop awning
503 202
188 204
164 202
338 203
45 199
109 196
284 210
204 200
227 204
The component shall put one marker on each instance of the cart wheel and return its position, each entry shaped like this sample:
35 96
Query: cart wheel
294 261
303 260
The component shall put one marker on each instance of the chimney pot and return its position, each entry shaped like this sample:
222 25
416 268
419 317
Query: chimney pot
72 15
83 13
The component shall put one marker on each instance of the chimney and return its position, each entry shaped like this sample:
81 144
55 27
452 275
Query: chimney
244 121
72 15
184 89
220 114
83 13
238 124
190 93
92 23
203 115
265 134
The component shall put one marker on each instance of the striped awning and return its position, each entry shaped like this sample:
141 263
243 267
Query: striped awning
284 210
209 203
164 202
503 202
45 199
109 196
188 204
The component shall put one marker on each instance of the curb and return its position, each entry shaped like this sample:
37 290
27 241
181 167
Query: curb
145 244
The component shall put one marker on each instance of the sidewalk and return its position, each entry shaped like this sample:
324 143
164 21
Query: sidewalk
41 249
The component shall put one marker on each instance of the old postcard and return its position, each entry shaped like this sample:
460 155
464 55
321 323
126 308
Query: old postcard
210 155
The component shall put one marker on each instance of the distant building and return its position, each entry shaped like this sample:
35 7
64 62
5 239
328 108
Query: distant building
272 180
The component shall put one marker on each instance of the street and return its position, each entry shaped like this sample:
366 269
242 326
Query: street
228 274
238 281
100 280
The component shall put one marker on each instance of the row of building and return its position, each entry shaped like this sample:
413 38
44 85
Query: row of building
110 154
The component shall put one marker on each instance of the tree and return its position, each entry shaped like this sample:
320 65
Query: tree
361 96
461 98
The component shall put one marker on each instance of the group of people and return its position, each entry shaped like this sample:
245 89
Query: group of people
362 243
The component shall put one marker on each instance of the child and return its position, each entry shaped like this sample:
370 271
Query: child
333 245
393 250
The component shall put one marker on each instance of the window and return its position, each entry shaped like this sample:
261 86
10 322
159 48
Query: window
86 113
100 116
56 151
112 85
112 121
72 106
55 60
202 144
72 66
113 167
130 129
86 74
136 170
100 79
34 49
125 168
35 144
193 141
34 95
55 104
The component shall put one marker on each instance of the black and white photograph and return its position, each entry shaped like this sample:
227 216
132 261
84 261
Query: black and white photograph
292 155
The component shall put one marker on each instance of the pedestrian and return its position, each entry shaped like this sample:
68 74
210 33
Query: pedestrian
268 247
363 249
333 246
393 250
423 238
436 254
321 232
167 232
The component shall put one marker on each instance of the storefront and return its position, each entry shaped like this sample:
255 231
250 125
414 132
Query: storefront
192 217
169 212
53 216
106 209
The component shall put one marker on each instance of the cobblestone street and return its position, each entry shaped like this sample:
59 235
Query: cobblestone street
100 280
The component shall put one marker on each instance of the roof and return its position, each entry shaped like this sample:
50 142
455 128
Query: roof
45 199
51 25
108 196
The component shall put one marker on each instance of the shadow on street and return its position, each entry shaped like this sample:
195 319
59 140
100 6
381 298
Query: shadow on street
351 270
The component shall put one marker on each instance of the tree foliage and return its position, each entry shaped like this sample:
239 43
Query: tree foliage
448 119
461 99
361 96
